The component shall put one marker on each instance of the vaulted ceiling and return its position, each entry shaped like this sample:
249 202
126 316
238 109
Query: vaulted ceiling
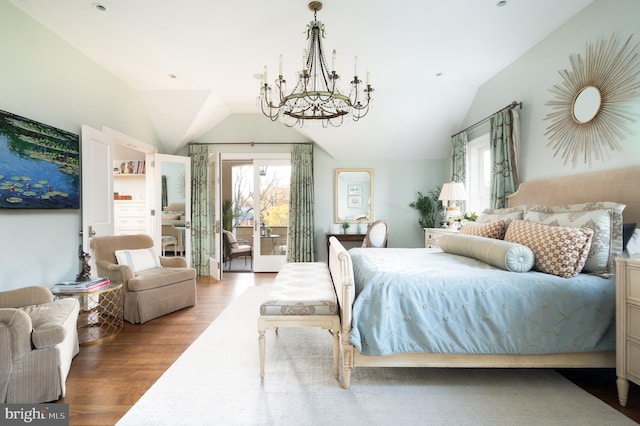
195 62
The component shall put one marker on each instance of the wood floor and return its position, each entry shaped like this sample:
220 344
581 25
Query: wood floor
108 378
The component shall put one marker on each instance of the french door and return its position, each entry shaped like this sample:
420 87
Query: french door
271 180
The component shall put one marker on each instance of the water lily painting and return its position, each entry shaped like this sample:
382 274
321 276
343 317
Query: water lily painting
39 165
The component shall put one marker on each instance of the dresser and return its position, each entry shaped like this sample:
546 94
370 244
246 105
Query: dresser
432 236
627 324
130 217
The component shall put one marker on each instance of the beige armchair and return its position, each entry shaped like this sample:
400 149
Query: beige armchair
172 231
153 285
39 340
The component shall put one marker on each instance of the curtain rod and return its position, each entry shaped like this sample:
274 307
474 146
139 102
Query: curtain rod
474 125
250 143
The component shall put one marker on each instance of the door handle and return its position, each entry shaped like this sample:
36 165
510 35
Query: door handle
92 233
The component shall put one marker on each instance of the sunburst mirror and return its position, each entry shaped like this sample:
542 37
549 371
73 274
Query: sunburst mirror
589 113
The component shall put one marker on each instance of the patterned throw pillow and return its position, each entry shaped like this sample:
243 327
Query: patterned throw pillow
616 230
601 221
494 215
558 250
488 230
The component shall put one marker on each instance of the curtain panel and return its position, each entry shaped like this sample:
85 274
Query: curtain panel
459 158
503 144
202 217
301 237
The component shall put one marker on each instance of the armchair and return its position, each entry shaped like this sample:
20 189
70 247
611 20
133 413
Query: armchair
39 340
233 248
153 285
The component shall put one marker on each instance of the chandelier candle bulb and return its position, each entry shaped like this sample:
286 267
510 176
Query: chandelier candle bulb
333 61
355 66
280 65
264 75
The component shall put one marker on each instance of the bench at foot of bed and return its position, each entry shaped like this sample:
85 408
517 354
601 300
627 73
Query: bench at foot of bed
302 296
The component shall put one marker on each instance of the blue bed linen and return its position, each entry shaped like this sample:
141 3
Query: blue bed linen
421 300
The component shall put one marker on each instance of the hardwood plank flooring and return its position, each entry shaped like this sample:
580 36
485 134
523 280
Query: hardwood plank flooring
108 378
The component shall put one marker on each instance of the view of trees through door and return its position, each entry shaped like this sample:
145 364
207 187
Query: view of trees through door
257 217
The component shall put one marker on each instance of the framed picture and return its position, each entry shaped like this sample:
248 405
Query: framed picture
39 167
354 201
354 189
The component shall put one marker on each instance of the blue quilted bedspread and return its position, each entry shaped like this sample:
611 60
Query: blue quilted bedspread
421 300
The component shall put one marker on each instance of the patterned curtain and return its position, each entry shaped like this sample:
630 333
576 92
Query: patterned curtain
504 173
459 158
301 239
202 229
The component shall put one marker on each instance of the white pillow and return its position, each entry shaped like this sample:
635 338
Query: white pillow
633 246
138 260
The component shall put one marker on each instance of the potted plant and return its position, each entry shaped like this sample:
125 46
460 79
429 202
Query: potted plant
429 207
345 226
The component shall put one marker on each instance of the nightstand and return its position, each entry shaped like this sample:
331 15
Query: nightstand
627 324
432 236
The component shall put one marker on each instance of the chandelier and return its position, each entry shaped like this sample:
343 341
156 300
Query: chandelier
316 96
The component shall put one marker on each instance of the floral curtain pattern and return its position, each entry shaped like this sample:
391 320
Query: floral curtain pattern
504 171
301 235
459 158
202 215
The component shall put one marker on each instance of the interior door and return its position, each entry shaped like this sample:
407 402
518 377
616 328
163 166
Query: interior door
97 186
271 203
177 172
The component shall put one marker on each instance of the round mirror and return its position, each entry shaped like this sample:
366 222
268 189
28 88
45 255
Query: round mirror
586 104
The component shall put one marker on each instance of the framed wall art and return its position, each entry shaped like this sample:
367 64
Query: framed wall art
39 165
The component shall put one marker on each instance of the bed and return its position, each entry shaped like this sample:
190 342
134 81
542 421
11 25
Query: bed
429 308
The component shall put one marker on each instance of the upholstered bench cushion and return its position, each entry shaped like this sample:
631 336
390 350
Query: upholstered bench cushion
52 321
303 288
159 277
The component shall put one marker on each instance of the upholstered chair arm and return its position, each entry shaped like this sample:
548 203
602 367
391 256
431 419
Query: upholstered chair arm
115 272
173 262
25 296
15 334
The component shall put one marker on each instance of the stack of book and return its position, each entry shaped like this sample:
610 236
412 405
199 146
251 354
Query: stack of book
78 286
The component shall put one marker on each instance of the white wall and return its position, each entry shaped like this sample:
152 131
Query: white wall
44 79
530 77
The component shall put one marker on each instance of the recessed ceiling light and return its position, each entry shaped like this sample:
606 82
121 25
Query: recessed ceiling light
501 3
100 7
172 76
438 74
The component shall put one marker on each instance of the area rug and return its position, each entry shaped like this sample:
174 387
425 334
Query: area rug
216 381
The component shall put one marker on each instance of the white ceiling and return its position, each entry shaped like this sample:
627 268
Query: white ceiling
215 48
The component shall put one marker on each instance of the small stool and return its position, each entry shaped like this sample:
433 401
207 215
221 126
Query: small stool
169 241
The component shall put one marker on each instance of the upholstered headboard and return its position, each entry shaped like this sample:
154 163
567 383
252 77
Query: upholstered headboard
618 185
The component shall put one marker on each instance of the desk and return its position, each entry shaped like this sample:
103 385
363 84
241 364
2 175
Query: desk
101 312
356 238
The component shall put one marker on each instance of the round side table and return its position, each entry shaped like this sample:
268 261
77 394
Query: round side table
101 312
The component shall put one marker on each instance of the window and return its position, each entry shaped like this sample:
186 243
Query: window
479 174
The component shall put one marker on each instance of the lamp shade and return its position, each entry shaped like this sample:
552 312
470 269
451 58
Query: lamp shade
453 191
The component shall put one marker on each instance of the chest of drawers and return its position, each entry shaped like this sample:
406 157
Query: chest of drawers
432 235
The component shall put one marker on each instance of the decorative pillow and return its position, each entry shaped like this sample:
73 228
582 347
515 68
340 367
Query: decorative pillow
627 232
616 230
601 221
558 250
170 216
633 246
494 215
501 254
488 230
138 260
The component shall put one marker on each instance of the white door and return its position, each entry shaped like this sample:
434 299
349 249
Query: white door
177 171
97 186
271 213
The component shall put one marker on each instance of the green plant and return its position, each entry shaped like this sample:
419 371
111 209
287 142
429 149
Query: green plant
345 225
429 207
227 215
